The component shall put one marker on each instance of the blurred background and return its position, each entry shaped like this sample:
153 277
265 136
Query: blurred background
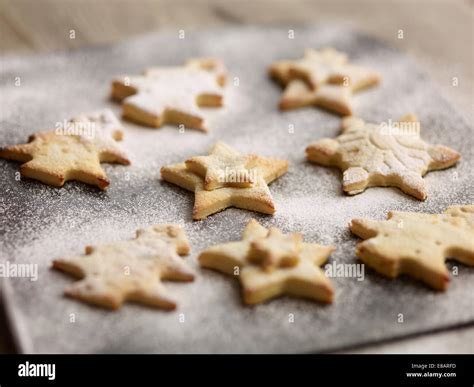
439 34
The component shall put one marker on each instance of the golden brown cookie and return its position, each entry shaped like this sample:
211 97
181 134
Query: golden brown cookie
172 95
130 270
276 250
322 78
382 155
256 197
270 264
417 244
221 162
72 151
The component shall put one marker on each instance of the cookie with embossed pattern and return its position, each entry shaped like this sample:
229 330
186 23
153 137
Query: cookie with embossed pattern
382 155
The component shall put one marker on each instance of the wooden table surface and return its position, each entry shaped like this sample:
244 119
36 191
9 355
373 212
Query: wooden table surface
438 33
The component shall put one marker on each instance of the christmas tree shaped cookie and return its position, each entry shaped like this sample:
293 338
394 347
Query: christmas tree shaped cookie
130 270
72 151
172 95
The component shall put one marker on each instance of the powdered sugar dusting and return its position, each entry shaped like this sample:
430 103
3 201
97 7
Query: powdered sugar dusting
40 223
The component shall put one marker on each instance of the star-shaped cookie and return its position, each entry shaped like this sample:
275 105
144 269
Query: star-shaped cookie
294 270
131 270
72 151
224 167
382 155
322 78
172 95
256 197
417 244
276 250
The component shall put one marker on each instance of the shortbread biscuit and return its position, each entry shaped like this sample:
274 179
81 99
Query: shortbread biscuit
417 244
220 163
256 197
270 264
73 151
382 155
213 65
131 270
322 78
276 250
172 95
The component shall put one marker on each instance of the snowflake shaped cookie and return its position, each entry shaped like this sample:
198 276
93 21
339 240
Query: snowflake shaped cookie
382 155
